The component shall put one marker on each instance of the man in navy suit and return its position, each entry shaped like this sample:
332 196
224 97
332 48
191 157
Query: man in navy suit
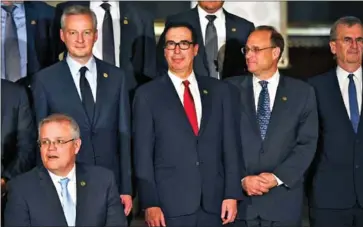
230 35
94 93
62 192
30 48
336 178
186 143
279 128
126 31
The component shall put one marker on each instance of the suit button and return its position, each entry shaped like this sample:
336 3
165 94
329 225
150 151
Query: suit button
356 166
197 163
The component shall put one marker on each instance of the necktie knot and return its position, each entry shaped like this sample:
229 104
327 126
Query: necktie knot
83 71
186 83
263 84
211 18
8 8
64 182
350 76
106 6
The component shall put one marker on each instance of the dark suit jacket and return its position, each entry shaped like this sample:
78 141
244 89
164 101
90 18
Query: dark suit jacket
336 175
33 199
40 50
18 133
105 139
287 150
138 45
237 32
175 169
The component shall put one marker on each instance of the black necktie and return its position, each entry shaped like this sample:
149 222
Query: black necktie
86 93
211 45
11 46
108 43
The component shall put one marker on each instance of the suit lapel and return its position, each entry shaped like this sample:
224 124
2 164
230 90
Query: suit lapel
206 100
102 78
54 208
82 193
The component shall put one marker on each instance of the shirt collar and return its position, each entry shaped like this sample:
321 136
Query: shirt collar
18 4
177 81
202 13
113 4
342 74
274 80
75 66
71 176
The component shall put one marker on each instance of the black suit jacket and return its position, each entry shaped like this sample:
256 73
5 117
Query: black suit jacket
18 133
176 170
137 46
237 32
106 138
336 180
33 199
286 151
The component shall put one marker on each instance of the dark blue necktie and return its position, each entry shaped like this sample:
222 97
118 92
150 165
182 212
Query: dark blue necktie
263 109
353 103
86 93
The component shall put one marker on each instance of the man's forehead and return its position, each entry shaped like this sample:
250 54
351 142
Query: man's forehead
345 29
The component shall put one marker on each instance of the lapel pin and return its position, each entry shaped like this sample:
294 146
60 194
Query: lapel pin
125 20
33 22
205 92
234 29
83 183
284 98
105 75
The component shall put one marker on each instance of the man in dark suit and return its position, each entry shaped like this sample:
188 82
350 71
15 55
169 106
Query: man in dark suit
62 192
279 134
26 39
94 93
126 37
186 143
219 34
336 177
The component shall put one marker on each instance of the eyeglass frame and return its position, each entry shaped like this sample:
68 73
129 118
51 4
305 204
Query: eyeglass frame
56 143
349 40
178 44
255 50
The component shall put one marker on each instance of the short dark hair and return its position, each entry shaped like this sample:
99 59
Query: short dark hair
168 26
276 38
348 21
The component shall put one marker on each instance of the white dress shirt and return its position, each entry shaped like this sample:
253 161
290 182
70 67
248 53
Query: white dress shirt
219 23
115 14
194 89
91 74
72 185
343 81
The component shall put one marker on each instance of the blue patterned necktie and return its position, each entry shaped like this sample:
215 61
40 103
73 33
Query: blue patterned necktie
69 208
263 109
353 103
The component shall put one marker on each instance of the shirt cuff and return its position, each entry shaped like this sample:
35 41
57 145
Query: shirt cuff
279 182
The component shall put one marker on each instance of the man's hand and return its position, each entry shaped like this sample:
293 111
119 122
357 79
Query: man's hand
229 210
272 182
126 200
154 217
255 185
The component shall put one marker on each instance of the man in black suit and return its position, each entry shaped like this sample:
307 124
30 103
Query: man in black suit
94 93
62 192
185 142
279 129
126 37
27 39
336 184
219 34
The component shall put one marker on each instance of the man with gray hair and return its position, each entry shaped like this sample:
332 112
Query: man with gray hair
94 93
62 192
336 177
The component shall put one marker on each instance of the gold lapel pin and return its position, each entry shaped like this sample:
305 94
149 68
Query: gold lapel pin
205 92
284 98
105 75
125 20
234 29
33 22
83 183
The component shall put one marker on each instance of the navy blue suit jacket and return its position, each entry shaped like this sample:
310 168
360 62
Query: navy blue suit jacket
237 32
18 133
176 170
336 174
137 46
106 138
288 148
33 199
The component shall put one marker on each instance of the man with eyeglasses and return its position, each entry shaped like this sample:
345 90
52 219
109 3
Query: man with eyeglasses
62 192
279 131
186 142
336 177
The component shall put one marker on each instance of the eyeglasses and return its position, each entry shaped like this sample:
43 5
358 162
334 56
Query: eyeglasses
254 50
183 45
57 143
350 40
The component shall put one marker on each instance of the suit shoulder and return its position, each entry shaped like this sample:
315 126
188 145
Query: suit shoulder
321 78
236 80
150 86
240 20
23 180
297 84
96 171
49 72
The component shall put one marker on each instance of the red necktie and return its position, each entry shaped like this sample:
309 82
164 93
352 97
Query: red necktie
189 107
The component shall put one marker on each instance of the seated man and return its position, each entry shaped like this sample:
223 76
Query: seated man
47 196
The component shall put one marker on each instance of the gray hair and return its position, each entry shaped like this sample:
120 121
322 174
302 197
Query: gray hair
61 118
78 10
348 21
